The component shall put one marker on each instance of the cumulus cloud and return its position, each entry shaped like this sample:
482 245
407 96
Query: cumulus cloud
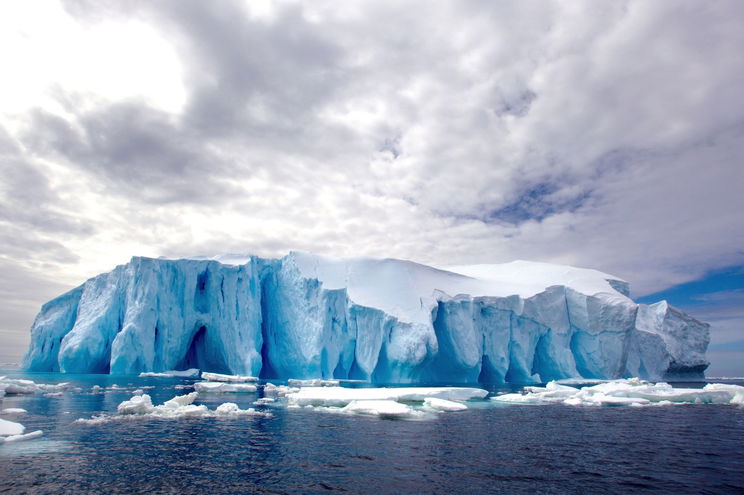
601 134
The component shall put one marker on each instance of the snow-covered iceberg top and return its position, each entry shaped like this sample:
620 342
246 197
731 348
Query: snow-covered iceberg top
407 290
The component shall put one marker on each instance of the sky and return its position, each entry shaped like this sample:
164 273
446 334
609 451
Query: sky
601 134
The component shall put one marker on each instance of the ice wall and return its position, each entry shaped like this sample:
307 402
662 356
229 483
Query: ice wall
385 321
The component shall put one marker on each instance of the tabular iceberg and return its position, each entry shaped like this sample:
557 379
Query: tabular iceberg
378 320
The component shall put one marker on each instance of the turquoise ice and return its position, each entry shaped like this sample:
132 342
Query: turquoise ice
378 320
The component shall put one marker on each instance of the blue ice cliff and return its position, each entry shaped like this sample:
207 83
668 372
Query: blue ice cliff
380 320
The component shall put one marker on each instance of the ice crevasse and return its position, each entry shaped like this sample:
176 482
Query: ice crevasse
378 320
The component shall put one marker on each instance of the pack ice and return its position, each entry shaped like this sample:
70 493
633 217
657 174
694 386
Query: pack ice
379 320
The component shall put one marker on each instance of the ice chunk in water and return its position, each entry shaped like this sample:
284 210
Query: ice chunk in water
382 408
224 387
8 428
444 405
219 377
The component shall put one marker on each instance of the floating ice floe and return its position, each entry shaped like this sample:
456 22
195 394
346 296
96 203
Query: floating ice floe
340 396
16 386
225 387
444 405
181 406
8 428
630 392
279 390
13 410
219 377
381 408
313 382
189 373
13 432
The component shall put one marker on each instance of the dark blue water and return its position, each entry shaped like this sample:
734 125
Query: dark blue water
512 449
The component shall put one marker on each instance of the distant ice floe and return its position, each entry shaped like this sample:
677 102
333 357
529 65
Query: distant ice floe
16 386
340 396
13 410
313 382
225 387
182 406
219 377
189 373
392 403
381 408
279 390
630 392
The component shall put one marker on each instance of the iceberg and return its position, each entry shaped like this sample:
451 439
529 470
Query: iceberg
381 321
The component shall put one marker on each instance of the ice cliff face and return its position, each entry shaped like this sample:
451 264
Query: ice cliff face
386 321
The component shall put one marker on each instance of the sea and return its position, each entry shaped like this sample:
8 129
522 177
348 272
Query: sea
510 449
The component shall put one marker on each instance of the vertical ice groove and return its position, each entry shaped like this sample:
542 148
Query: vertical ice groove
388 321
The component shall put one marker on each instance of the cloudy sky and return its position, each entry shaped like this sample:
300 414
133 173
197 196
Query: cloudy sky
599 134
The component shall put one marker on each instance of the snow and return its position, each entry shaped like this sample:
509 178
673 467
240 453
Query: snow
224 387
309 317
340 396
629 392
218 377
189 373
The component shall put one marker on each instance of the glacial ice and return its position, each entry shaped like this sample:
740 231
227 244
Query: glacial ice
25 436
382 321
218 377
381 408
14 432
444 405
13 410
181 406
630 392
190 373
8 428
340 396
225 387
17 386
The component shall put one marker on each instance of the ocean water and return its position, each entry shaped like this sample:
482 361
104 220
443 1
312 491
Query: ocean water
490 449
